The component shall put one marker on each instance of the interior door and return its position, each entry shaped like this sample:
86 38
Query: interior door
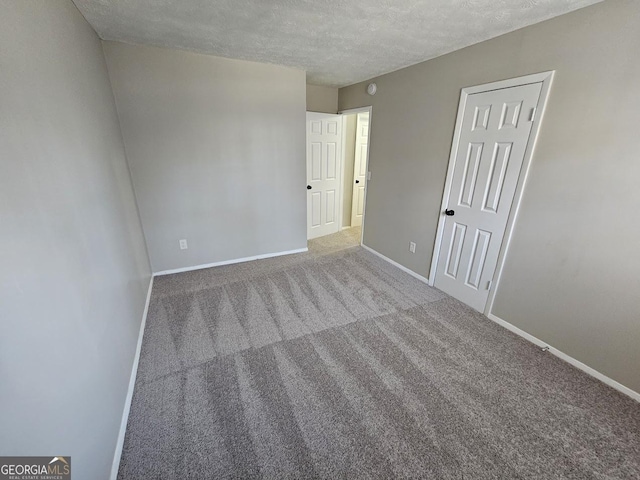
496 127
324 167
360 168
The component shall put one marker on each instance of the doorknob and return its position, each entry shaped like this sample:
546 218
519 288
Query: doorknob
449 213
357 181
308 187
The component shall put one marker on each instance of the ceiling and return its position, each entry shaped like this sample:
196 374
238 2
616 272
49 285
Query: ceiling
337 42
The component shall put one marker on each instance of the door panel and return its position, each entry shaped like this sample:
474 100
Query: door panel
498 170
455 250
324 167
316 208
469 179
362 165
316 161
330 195
360 169
331 161
493 140
478 258
360 201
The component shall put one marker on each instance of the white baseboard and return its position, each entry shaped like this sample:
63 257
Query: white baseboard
229 262
576 363
132 382
396 264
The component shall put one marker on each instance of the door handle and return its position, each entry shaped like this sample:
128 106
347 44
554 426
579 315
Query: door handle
308 187
357 181
449 213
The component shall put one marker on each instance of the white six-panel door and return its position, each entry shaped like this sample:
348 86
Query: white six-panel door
360 168
324 167
496 128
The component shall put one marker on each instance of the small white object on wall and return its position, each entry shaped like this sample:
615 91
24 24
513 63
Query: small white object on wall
372 88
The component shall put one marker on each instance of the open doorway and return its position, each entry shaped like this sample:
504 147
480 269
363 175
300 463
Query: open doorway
337 173
356 148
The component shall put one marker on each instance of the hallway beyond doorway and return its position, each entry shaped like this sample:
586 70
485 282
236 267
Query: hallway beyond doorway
347 238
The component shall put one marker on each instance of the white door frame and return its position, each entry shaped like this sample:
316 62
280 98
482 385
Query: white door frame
546 78
351 111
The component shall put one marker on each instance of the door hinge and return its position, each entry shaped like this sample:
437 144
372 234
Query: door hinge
489 283
534 110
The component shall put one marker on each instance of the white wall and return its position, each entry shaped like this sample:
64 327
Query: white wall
217 153
73 267
571 274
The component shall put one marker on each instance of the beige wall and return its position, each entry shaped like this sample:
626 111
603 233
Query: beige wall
571 275
74 272
322 99
216 149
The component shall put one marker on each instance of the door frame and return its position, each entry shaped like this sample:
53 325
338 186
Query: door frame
352 111
546 78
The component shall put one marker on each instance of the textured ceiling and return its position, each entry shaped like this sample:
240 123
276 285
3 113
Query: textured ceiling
338 42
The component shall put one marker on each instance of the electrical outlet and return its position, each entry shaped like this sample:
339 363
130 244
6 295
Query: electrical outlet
412 247
183 244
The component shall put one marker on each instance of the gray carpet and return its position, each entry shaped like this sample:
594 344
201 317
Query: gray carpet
335 364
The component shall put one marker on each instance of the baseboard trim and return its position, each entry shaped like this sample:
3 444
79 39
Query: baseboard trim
229 262
572 361
396 264
132 382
